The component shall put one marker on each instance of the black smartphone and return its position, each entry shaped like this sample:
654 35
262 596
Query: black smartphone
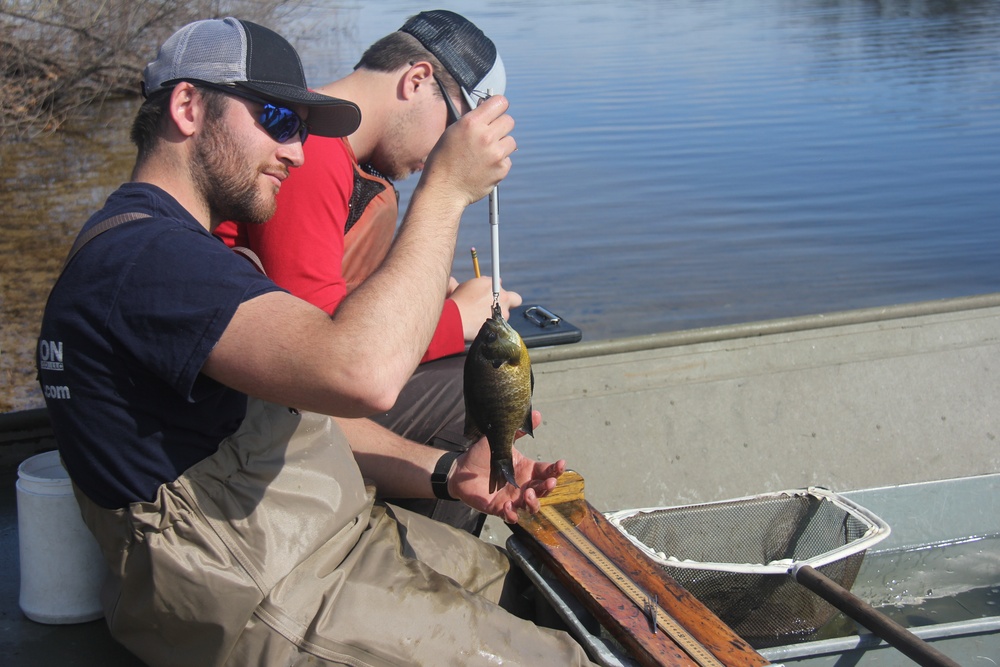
539 326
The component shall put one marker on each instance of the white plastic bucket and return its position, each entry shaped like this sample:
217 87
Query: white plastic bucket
61 565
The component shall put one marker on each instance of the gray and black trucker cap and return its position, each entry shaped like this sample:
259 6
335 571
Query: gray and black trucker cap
231 51
469 56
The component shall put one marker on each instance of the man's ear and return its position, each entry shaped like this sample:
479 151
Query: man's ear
186 108
419 74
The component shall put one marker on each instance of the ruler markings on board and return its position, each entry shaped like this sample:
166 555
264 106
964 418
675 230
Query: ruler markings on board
674 630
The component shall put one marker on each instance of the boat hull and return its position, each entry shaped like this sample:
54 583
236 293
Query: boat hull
926 518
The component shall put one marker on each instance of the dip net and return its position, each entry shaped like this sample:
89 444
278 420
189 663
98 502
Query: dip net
735 555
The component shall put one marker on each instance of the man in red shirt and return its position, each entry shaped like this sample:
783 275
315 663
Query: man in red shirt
336 218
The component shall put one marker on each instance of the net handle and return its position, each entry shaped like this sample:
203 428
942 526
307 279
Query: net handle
878 623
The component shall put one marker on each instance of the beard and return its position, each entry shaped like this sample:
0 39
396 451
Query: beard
223 177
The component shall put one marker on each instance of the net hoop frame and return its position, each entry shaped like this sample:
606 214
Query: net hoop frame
877 530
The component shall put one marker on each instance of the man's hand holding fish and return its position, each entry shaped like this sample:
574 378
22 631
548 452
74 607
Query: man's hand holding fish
380 455
469 480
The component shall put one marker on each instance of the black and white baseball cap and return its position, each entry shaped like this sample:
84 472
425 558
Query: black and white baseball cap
230 51
469 56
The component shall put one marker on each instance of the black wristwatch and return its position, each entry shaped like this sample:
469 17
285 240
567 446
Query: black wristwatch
439 478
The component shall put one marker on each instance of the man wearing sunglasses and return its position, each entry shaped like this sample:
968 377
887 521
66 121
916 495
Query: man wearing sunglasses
337 215
188 394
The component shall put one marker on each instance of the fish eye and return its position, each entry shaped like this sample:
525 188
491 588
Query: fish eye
491 336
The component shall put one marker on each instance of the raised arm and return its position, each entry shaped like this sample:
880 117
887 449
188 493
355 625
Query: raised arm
354 364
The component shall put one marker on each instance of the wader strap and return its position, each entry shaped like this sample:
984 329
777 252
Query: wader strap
100 228
251 257
87 237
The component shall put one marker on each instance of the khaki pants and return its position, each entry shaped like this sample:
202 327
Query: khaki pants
273 552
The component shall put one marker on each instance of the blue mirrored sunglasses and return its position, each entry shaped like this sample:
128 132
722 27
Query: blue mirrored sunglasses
281 123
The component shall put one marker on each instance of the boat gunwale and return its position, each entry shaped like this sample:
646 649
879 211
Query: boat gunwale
586 349
14 424
868 641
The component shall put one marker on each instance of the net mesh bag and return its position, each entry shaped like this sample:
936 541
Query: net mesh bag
735 555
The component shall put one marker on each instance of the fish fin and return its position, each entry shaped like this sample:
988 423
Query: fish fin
501 473
507 466
526 426
495 477
472 432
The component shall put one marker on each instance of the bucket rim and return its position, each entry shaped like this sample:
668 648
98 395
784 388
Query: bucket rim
49 459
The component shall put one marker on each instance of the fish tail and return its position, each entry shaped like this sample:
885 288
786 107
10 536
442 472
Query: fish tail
502 472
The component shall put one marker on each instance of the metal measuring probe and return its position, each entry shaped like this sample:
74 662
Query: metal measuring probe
495 232
495 242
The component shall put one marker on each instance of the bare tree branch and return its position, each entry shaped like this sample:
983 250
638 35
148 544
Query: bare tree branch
57 57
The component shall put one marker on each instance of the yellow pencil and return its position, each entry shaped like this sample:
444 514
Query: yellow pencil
475 262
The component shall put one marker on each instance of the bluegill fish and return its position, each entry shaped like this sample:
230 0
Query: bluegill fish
498 386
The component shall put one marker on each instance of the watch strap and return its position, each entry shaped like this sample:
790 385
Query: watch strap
439 478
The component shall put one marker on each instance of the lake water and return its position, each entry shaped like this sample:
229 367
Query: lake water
680 163
690 163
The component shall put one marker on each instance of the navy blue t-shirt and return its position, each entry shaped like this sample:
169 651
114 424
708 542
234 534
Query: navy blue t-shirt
124 336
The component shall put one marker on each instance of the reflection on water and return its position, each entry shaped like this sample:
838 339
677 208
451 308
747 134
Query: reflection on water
680 163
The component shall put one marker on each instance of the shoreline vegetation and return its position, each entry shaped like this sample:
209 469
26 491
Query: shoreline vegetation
70 73
61 58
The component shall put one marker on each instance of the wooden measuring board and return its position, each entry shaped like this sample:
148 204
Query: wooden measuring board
658 622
